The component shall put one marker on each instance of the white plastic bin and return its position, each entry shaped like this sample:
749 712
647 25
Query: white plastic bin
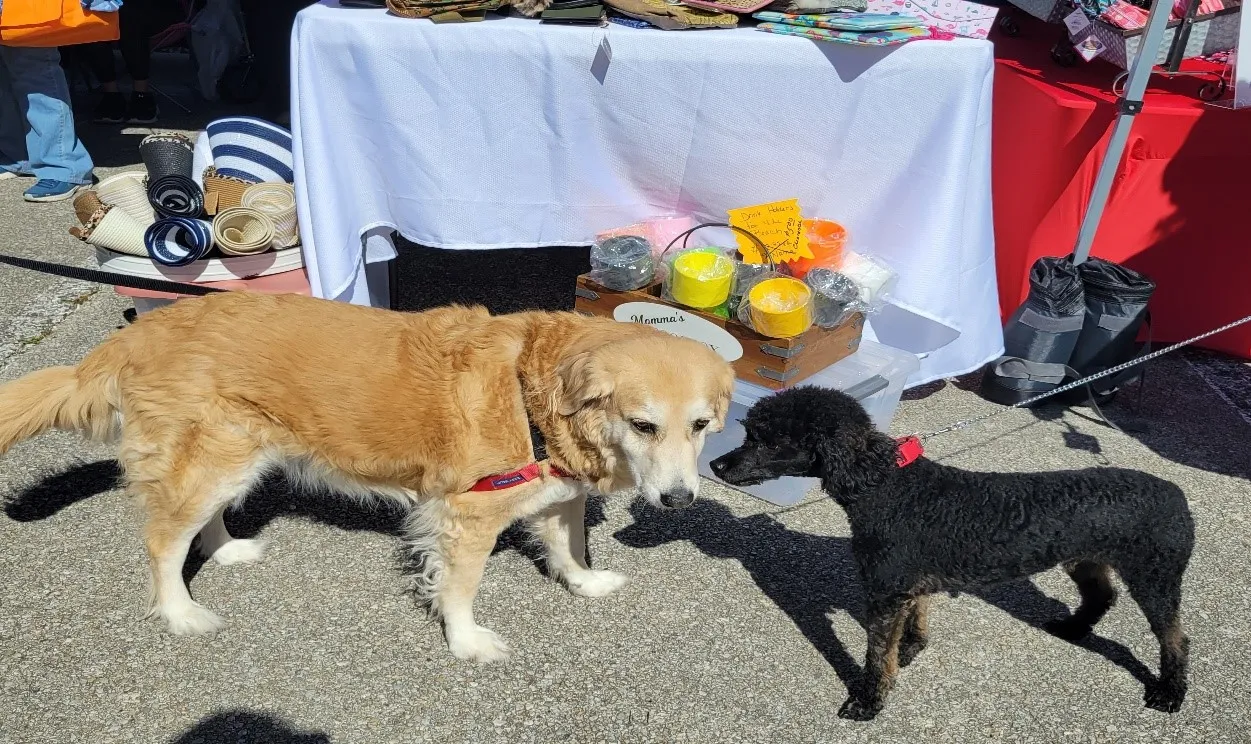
857 372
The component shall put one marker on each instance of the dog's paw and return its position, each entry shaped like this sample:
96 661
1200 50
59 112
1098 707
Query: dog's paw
191 619
478 644
239 551
1070 629
909 650
1164 698
855 710
595 583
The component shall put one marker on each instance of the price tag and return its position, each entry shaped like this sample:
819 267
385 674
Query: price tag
1077 22
1090 47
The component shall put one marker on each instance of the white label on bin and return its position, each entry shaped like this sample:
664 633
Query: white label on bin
1076 22
681 323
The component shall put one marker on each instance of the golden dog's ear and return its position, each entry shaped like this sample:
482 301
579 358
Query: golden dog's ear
582 381
721 400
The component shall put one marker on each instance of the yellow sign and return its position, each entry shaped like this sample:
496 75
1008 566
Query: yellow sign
778 225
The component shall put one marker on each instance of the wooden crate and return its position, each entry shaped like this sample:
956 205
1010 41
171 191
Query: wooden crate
774 363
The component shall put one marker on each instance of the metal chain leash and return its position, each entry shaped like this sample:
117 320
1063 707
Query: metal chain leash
1078 383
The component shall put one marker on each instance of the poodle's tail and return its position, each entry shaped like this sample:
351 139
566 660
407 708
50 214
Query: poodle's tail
68 398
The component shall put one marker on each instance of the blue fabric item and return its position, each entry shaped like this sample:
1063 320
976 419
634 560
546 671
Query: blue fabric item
102 6
251 149
36 120
178 241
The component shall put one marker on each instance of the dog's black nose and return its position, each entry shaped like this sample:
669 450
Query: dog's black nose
719 466
677 498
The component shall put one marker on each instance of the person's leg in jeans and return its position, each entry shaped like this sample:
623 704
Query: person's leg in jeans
33 78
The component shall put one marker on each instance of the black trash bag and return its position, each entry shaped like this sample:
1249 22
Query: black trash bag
1116 309
1040 337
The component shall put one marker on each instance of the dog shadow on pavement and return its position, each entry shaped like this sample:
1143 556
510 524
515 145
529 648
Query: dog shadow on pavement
274 497
810 576
247 726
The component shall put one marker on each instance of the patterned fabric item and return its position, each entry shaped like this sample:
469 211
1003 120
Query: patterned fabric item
178 241
861 22
800 7
1123 15
176 196
251 149
628 21
102 6
857 38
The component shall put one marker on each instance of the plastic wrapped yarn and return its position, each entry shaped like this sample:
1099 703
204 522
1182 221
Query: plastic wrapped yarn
701 278
780 307
835 296
623 262
874 278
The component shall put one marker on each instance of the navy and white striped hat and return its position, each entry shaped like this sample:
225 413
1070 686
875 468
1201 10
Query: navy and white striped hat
252 149
178 241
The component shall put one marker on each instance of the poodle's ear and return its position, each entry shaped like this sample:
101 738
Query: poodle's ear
850 463
582 381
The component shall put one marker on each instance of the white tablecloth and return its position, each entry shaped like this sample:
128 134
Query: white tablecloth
512 133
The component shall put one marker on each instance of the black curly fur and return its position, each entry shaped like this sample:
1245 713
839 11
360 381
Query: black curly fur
926 527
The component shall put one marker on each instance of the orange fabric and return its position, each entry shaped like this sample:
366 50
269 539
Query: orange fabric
47 23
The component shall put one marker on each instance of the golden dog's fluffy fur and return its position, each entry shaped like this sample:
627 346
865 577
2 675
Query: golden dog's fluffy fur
208 394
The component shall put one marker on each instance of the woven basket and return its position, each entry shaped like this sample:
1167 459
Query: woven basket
222 192
425 8
1210 33
672 17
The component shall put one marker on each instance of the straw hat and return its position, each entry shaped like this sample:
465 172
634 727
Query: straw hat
240 231
175 196
278 201
166 155
178 241
251 149
128 191
119 232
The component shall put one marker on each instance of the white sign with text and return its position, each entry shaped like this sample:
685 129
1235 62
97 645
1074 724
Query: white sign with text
681 323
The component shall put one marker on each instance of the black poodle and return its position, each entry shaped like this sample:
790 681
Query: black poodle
922 528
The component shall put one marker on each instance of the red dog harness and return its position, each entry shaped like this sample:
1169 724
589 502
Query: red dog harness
530 472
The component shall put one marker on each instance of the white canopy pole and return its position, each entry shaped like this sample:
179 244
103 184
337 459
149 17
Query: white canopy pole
1128 106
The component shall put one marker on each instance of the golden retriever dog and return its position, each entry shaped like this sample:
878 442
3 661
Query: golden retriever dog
207 395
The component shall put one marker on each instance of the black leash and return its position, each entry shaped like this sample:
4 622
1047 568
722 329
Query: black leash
108 277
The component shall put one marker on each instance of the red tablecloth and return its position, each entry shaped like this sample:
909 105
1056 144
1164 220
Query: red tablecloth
1178 210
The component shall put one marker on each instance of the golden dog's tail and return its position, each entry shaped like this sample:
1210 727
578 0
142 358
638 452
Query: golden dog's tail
56 398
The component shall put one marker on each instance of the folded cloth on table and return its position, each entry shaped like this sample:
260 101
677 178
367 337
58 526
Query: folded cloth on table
427 8
176 196
251 149
129 192
166 155
857 38
222 192
1125 16
178 241
277 200
240 231
728 6
672 17
860 22
810 7
113 228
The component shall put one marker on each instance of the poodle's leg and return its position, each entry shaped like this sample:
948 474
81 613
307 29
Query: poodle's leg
562 529
1094 582
916 635
1158 592
886 620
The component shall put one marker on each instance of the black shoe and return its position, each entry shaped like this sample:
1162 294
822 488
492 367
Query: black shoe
142 108
110 110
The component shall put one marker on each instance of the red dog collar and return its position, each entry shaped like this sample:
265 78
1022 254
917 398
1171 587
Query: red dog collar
909 449
516 478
